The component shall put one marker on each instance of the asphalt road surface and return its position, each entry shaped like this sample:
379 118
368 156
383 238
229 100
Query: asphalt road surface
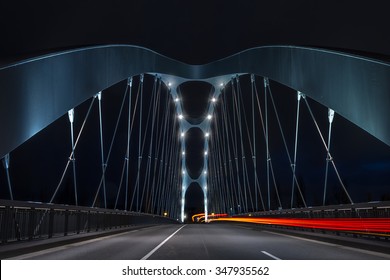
218 241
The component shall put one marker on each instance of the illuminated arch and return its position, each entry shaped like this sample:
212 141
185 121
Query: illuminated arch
36 92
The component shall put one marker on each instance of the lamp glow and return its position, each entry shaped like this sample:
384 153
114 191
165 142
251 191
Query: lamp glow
209 117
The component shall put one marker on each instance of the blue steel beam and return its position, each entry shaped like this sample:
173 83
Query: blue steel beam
36 92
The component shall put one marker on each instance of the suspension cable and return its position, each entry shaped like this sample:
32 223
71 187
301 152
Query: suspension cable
245 169
330 118
167 114
328 153
228 129
136 189
254 140
73 159
156 149
238 109
73 150
266 141
263 128
127 158
152 110
6 161
111 145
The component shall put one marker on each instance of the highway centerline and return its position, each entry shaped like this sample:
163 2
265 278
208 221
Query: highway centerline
159 245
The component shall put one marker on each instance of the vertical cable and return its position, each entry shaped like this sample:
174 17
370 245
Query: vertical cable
99 96
235 109
156 149
254 140
139 143
159 153
167 114
229 135
152 111
328 158
6 160
127 158
299 95
131 129
125 167
73 159
266 140
226 148
263 128
238 101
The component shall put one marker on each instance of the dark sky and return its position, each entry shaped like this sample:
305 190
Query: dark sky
193 31
198 32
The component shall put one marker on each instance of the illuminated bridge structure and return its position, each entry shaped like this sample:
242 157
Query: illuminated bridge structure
147 136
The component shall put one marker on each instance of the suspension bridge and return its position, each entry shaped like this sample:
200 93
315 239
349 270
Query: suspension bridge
97 143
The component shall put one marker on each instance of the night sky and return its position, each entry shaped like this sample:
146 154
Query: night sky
199 32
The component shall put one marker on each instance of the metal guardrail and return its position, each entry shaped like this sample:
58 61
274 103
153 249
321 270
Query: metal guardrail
380 209
21 221
358 210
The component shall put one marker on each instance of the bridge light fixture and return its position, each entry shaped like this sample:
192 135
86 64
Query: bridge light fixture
184 173
205 153
180 117
205 172
183 153
213 99
182 134
209 117
169 84
177 99
207 134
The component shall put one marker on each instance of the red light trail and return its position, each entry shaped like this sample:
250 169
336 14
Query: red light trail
374 225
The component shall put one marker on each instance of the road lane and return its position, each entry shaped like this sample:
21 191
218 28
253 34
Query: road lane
132 245
218 241
245 242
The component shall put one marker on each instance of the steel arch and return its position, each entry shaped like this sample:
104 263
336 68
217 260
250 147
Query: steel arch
36 92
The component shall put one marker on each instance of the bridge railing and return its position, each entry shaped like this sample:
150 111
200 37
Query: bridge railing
370 210
30 220
358 210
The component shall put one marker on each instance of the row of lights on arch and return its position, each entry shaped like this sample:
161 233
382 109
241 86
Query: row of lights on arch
206 135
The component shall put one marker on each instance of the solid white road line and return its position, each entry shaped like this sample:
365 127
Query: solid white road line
270 255
159 245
